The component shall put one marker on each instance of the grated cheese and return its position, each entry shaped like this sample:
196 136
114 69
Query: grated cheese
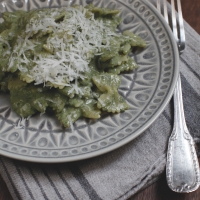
73 43
21 123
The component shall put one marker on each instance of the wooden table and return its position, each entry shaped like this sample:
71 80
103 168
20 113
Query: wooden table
158 190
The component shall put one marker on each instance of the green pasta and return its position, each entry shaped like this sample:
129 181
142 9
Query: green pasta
66 61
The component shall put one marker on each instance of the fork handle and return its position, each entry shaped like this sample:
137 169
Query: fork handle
182 166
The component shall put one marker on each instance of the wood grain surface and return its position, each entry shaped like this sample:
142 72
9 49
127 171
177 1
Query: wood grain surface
158 190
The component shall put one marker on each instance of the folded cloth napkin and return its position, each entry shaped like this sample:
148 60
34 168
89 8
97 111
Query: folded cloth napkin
120 173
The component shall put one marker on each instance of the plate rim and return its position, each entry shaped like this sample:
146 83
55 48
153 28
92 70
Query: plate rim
132 136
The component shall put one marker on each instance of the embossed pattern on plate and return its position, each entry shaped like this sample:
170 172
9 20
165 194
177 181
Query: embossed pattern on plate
147 91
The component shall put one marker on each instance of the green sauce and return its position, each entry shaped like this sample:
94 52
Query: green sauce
49 68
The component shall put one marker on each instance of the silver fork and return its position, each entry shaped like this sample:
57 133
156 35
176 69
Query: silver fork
182 168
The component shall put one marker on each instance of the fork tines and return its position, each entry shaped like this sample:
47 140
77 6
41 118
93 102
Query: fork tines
175 20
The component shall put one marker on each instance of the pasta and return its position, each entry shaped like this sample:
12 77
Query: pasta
66 61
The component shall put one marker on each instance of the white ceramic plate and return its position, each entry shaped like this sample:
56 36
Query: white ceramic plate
147 91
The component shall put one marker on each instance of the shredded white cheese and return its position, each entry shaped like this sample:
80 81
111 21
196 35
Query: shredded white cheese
20 124
72 44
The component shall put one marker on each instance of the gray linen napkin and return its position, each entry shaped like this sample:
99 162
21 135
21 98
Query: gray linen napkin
120 173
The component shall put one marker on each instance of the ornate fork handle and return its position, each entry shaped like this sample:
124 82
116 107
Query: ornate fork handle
182 165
